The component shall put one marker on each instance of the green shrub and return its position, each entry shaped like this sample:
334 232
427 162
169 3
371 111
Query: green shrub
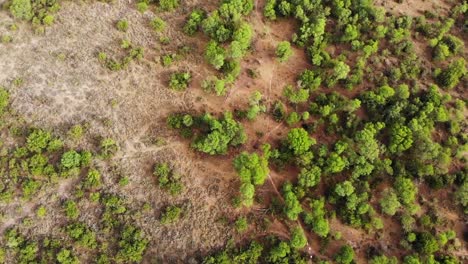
168 179
179 81
48 20
451 76
241 225
158 24
4 100
71 159
122 25
132 245
22 9
38 140
168 5
108 147
71 210
170 215
93 179
142 7
284 51
80 233
194 21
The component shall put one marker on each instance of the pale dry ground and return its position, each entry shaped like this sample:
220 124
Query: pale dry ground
64 84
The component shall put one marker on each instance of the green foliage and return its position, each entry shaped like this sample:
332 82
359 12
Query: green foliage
168 179
283 51
462 196
108 147
269 9
180 81
194 21
158 24
298 141
426 243
122 25
36 11
22 9
241 225
345 255
451 76
4 100
292 207
70 159
293 118
316 218
256 105
251 168
71 210
344 189
170 215
66 256
296 96
389 202
401 139
448 46
41 212
80 233
222 133
132 245
298 238
383 260
406 190
215 54
93 179
168 5
309 177
310 80
38 140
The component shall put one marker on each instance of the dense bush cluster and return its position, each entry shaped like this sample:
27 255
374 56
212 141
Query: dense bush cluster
210 135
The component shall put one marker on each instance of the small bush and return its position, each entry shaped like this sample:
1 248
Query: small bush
170 215
158 24
179 81
108 147
168 5
283 51
22 9
122 25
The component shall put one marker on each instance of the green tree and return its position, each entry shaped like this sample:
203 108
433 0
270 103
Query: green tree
298 141
316 218
71 159
168 5
4 100
345 255
461 196
406 190
344 189
309 177
389 202
296 96
215 54
251 168
179 81
292 207
426 243
194 21
401 138
132 245
284 51
298 238
22 9
451 76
